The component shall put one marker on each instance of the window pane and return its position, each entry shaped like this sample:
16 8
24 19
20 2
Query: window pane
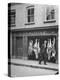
32 11
30 15
28 18
48 17
12 17
31 18
28 11
12 13
12 20
52 14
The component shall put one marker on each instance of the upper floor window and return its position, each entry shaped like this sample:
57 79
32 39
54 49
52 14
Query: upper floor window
50 14
30 14
12 16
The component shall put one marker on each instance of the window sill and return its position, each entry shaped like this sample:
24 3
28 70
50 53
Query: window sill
13 25
29 23
50 21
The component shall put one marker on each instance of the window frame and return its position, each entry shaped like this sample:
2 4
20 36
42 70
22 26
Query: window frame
12 16
48 11
31 15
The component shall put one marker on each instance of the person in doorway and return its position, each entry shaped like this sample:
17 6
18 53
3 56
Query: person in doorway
43 53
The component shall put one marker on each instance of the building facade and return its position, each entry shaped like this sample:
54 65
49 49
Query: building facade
30 22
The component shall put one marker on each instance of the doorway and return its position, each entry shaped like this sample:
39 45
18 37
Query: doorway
19 47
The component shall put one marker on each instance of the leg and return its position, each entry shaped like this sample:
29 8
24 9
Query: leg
45 58
40 59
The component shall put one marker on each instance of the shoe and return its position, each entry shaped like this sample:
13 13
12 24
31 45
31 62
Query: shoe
39 63
45 64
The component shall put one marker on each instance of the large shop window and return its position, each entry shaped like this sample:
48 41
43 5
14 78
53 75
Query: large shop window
12 17
35 47
30 14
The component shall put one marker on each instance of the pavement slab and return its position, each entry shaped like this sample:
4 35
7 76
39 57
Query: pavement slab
34 64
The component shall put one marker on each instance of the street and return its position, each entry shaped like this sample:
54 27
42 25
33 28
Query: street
21 71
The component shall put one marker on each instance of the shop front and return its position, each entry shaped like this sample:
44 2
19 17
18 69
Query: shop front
27 42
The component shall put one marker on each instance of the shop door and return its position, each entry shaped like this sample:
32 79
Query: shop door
19 46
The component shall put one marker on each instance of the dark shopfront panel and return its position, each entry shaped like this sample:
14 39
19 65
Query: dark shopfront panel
21 40
19 47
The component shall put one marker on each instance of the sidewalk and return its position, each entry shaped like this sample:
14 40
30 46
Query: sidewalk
34 64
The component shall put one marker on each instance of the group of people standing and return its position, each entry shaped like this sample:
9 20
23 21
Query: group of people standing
44 52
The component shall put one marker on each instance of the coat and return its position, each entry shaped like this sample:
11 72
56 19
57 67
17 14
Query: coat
43 53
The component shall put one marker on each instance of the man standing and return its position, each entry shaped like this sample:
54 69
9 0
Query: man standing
43 53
